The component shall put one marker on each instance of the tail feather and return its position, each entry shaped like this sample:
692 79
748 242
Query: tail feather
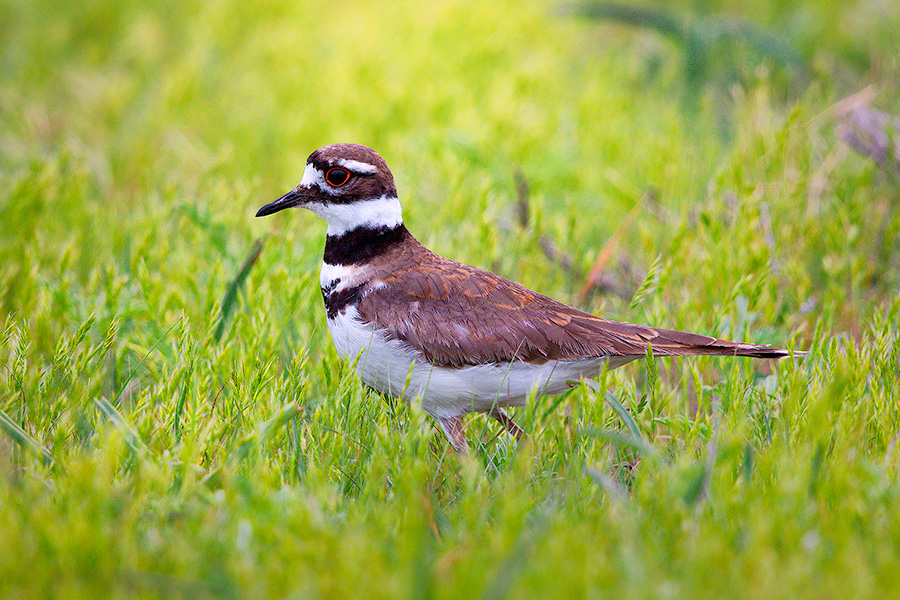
680 343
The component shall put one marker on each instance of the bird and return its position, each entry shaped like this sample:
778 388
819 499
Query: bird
458 339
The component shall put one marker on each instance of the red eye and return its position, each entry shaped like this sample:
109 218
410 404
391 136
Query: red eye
336 176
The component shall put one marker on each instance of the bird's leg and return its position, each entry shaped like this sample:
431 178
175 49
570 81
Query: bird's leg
500 415
456 432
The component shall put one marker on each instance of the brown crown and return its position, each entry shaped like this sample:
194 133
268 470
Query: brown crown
380 183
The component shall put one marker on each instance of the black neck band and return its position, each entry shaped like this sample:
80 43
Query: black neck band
362 244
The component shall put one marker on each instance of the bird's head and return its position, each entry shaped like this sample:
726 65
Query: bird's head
348 185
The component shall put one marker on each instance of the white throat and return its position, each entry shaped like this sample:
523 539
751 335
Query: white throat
371 213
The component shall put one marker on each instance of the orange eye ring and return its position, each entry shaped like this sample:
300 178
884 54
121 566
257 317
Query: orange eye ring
337 176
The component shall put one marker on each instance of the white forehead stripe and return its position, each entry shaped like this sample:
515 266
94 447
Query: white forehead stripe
357 166
312 176
373 213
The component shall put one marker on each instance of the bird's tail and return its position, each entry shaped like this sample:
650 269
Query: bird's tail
680 343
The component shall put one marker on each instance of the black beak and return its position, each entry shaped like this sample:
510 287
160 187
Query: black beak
292 198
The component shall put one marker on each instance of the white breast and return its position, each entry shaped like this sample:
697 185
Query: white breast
395 368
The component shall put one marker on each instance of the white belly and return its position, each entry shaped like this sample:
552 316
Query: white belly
395 368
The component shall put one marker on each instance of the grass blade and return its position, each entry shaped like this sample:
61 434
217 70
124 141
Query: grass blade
619 439
132 439
648 286
21 437
230 298
617 406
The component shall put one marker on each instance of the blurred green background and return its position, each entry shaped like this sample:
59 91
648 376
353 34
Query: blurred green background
178 425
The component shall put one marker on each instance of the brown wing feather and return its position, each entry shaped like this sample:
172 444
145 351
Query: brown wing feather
457 315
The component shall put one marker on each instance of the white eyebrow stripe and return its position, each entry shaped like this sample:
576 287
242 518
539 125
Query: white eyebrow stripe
357 166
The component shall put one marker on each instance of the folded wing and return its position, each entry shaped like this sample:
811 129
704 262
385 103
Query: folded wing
456 315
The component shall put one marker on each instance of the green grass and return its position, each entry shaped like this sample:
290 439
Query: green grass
176 423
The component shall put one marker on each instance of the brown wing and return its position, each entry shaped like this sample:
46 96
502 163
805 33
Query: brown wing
457 315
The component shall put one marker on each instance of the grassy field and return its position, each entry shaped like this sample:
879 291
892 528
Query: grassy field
175 422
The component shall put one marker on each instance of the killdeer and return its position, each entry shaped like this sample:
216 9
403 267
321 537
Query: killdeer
462 340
